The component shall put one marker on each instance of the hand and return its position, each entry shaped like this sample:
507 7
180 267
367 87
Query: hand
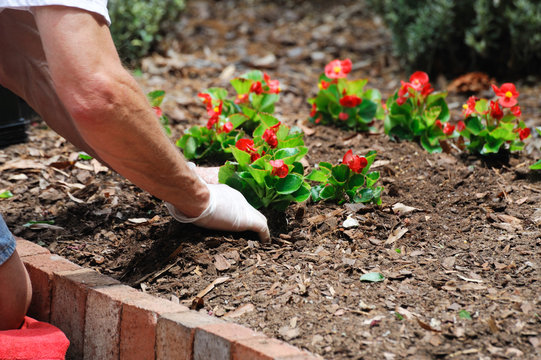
227 210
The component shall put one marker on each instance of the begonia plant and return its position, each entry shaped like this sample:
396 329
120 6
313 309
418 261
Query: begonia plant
267 170
156 98
255 91
350 181
215 139
342 102
416 113
491 125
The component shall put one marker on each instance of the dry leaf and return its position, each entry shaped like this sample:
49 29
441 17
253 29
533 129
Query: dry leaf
402 209
396 234
22 164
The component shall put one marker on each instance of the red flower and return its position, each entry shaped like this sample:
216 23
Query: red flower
256 87
469 106
524 133
274 85
270 137
427 89
439 124
343 116
403 91
337 69
314 110
515 110
460 126
242 99
495 110
214 113
507 94
279 168
207 100
448 129
323 84
418 80
227 127
245 145
158 111
350 101
354 162
401 100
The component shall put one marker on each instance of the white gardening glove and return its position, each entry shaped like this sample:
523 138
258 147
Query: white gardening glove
227 210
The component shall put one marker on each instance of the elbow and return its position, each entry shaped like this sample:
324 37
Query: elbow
91 99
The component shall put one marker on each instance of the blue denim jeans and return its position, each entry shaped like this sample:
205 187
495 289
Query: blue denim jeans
7 242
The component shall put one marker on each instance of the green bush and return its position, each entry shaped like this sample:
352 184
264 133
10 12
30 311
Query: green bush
137 25
455 36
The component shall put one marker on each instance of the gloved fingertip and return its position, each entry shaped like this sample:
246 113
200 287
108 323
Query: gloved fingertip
264 236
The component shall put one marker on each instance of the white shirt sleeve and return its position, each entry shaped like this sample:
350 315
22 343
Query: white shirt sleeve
95 6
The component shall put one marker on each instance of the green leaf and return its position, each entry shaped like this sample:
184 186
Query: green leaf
6 194
429 146
238 119
156 97
464 314
481 106
492 145
258 174
373 277
267 102
253 75
191 147
289 184
367 110
355 87
302 194
217 93
340 173
84 156
536 165
372 178
328 192
474 125
242 157
241 85
356 180
318 175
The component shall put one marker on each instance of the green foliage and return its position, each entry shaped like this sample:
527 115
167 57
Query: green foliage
268 176
346 181
137 25
454 36
414 113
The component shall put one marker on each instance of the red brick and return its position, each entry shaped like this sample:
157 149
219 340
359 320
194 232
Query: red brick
102 321
41 269
68 308
214 341
28 248
175 334
138 326
264 349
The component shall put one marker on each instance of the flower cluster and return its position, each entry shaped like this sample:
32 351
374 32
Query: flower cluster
489 125
344 102
416 112
267 170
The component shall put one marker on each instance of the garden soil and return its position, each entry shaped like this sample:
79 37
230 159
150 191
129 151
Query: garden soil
457 238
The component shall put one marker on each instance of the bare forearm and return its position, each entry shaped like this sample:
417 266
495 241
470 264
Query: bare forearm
110 111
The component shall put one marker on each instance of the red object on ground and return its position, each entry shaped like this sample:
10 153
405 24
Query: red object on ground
35 340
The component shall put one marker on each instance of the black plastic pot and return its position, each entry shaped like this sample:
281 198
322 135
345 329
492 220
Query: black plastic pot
14 116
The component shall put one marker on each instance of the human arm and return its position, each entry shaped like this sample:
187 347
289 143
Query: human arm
113 116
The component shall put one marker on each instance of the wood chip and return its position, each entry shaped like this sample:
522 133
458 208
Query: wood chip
241 310
221 263
395 235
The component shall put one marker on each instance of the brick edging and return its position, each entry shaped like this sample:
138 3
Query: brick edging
104 319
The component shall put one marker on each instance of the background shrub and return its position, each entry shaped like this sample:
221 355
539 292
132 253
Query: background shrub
500 37
137 25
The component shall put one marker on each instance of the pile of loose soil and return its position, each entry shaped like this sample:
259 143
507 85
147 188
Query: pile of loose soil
456 239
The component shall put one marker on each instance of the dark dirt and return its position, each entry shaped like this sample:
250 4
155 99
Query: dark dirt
472 243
